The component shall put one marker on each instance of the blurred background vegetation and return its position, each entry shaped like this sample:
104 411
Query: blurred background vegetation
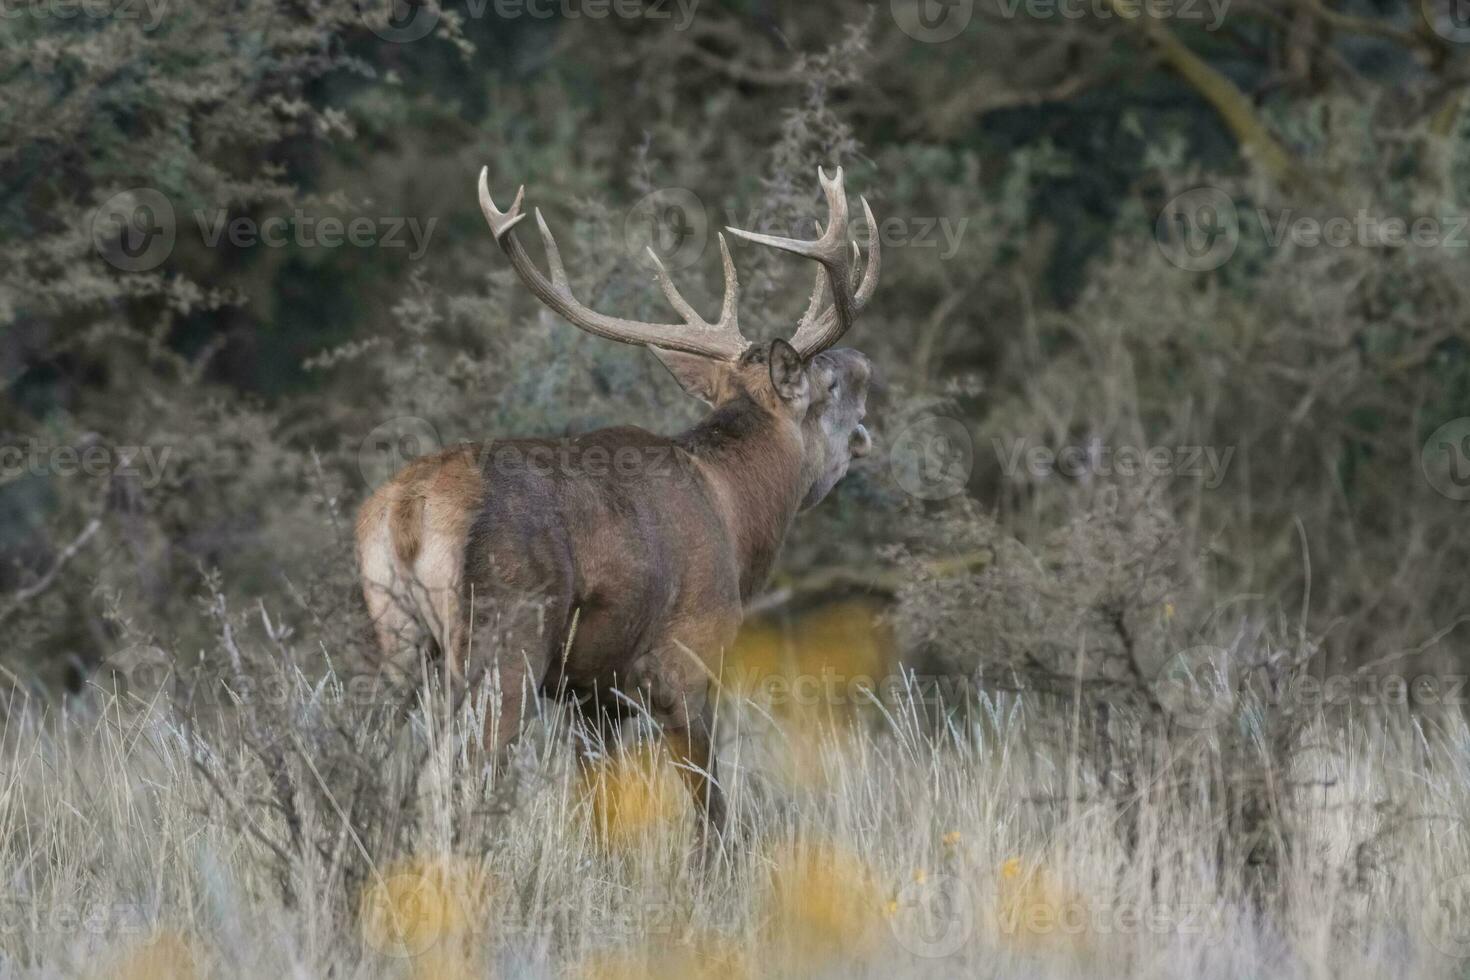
1031 293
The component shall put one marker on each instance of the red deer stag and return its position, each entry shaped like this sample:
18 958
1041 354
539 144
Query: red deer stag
485 553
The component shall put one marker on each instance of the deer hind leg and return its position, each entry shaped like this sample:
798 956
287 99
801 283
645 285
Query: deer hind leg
507 647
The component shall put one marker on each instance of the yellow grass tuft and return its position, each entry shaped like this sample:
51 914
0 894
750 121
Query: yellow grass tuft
455 961
636 795
167 956
813 674
824 904
429 909
832 649
706 958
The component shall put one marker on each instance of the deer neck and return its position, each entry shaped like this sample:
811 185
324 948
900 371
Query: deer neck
753 460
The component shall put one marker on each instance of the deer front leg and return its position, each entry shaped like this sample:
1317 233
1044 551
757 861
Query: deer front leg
683 706
691 743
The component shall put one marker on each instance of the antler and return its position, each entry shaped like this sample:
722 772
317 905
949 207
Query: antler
820 327
721 340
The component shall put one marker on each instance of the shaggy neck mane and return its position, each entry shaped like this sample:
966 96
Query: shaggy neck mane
757 460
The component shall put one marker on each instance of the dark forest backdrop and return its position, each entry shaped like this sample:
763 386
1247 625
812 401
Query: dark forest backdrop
243 276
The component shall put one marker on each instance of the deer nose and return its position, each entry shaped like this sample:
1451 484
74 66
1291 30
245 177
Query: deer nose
862 443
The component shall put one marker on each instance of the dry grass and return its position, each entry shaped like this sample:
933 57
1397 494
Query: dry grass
979 847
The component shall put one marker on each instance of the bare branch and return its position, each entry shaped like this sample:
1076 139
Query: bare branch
25 595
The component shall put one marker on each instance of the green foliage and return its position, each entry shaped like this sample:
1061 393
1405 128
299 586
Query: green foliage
1025 290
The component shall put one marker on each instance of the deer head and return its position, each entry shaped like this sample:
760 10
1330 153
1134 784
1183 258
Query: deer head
819 388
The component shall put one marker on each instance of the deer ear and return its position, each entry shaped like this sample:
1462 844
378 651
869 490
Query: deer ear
697 375
788 374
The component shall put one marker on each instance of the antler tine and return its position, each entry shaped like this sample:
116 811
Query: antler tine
671 292
819 297
821 328
553 257
869 285
815 328
500 221
695 335
831 245
729 315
